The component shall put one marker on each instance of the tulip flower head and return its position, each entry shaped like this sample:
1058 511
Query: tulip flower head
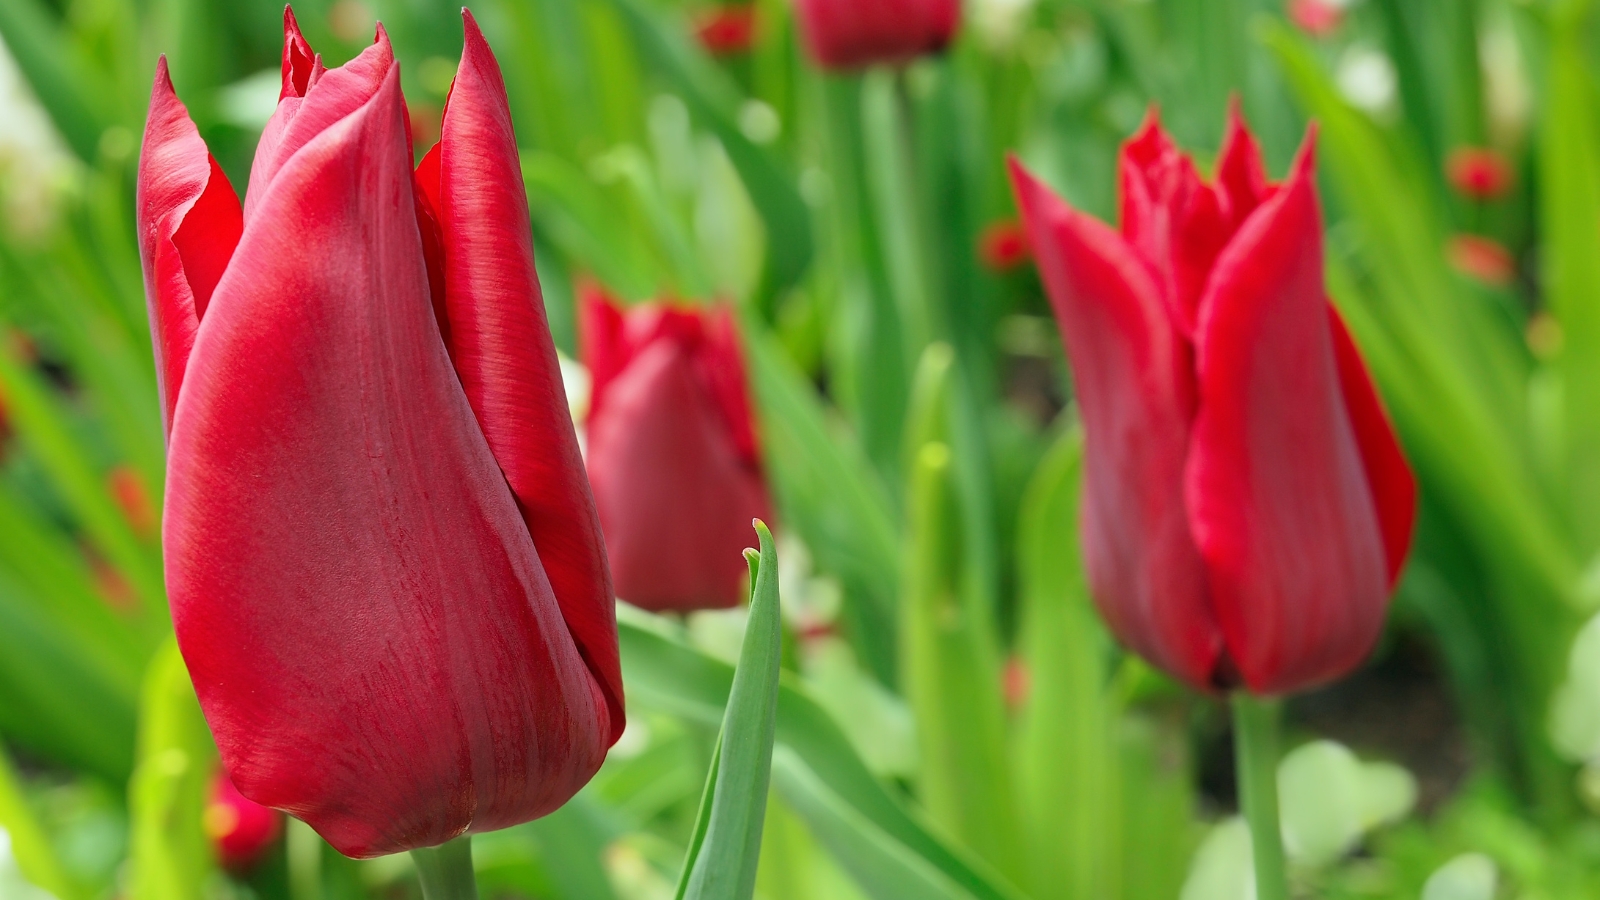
1478 173
672 452
386 572
1482 259
1318 18
1003 247
241 830
727 30
1246 505
854 34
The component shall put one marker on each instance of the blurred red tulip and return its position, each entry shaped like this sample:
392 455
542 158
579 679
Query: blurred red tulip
727 30
1484 259
1246 507
373 481
853 34
127 489
1016 682
672 452
1479 173
241 830
1318 18
1003 246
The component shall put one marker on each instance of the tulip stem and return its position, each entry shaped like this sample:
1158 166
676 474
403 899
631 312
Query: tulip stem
446 871
1255 741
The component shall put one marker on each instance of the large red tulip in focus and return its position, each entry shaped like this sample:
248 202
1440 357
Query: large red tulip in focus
672 452
1246 505
854 34
385 567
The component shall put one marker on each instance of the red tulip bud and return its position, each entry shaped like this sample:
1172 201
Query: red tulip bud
1484 259
127 489
385 568
672 452
852 34
241 831
1003 246
1478 173
1318 18
1246 505
727 30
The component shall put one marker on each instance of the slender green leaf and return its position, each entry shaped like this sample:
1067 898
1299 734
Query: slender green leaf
725 853
30 845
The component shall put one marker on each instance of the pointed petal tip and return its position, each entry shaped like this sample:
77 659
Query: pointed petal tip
1304 166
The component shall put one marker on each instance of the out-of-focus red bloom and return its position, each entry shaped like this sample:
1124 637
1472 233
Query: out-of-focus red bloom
1016 682
113 587
1484 259
127 489
241 830
423 118
672 452
1479 173
853 34
1003 246
1318 18
727 30
373 481
1246 505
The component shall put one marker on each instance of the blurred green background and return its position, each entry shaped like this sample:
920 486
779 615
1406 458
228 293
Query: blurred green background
954 721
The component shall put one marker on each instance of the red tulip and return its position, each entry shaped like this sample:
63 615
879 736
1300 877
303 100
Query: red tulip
672 452
1003 246
1318 18
1478 173
241 830
1481 258
727 30
853 34
1246 507
385 567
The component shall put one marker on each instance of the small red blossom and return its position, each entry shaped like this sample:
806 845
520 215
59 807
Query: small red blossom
1478 173
1484 259
127 489
726 30
1003 246
1016 681
1318 18
241 830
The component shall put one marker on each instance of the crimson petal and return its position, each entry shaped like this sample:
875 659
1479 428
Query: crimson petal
1393 485
500 343
1136 392
368 626
1278 498
189 224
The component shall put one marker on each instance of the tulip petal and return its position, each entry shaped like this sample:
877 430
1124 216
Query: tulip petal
330 96
1278 499
1393 485
500 343
675 498
1175 221
1136 392
189 224
370 633
1241 175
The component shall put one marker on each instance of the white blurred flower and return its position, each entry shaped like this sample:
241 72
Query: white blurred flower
12 885
1000 22
35 165
1366 78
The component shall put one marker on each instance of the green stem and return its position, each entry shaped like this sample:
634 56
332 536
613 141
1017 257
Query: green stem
446 871
1255 741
